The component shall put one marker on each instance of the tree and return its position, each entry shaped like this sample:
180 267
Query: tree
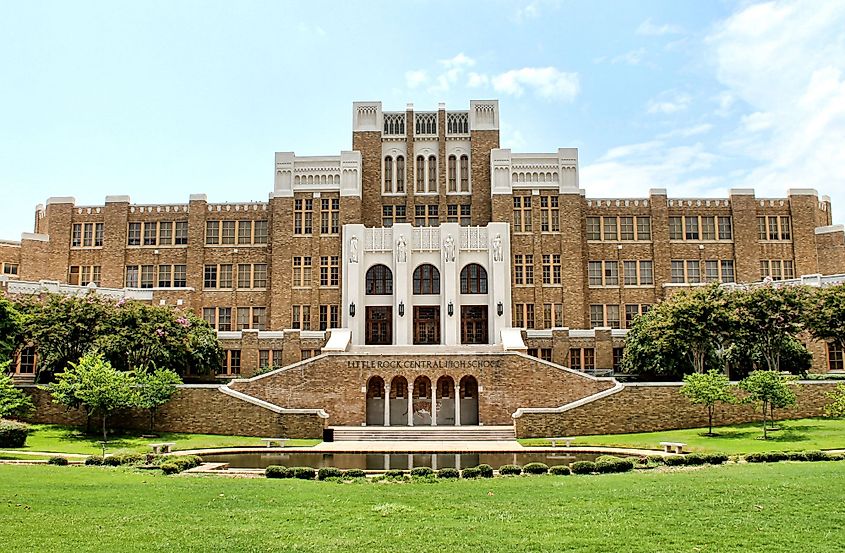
680 335
769 389
836 407
769 317
825 316
95 385
744 355
154 389
11 328
708 389
13 401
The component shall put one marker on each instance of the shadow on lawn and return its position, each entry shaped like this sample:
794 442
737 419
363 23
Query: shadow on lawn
116 441
778 434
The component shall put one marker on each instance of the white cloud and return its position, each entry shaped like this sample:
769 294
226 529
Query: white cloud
459 61
546 82
632 57
757 121
669 102
647 28
477 79
686 132
415 78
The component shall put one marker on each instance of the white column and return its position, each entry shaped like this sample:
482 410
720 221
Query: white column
410 407
386 404
457 404
434 405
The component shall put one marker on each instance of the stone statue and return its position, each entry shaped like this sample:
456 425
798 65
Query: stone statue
497 248
353 249
401 249
449 248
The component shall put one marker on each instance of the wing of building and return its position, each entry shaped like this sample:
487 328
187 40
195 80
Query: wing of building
424 233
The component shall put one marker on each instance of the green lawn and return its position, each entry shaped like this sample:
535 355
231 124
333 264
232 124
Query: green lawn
66 439
795 434
789 507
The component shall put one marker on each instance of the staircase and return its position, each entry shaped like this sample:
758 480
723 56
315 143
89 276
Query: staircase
424 433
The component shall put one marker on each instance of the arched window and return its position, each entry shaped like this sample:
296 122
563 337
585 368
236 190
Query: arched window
400 174
473 279
379 281
453 174
464 173
420 174
375 388
388 174
426 280
432 174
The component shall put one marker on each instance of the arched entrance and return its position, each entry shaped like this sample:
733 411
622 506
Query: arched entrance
375 401
399 401
445 401
469 400
422 401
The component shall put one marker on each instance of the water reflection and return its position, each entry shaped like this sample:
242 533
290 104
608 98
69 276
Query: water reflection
385 461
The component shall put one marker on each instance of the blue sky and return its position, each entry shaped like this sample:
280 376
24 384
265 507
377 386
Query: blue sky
159 100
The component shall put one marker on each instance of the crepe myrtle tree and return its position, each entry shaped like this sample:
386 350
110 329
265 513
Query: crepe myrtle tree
154 388
825 315
769 390
708 389
13 401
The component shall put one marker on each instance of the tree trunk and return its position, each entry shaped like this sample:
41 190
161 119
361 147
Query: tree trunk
765 406
709 420
87 421
105 436
152 420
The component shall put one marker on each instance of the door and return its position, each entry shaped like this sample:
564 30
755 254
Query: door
473 324
426 324
379 326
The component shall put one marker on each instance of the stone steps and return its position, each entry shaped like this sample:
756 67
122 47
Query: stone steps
424 433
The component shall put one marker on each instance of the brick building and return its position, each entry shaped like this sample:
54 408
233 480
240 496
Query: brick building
425 233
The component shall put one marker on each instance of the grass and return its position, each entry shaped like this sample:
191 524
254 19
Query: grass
67 439
781 507
798 434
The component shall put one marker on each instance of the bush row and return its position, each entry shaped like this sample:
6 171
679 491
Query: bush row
775 456
481 471
13 433
174 464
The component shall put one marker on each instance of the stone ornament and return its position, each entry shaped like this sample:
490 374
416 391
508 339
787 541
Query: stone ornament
449 249
497 248
353 249
401 249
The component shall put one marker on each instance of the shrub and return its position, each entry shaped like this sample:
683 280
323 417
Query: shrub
836 456
304 473
696 459
354 473
184 462
170 468
394 473
423 472
816 455
123 459
656 459
57 460
535 468
329 472
448 473
471 472
755 458
675 461
774 456
583 467
485 470
95 460
716 458
560 470
608 464
13 433
278 471
510 470
796 456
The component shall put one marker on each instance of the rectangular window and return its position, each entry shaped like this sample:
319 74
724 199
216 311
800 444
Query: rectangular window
552 315
242 318
551 268
691 226
785 232
708 228
209 315
227 234
165 233
725 228
788 269
678 271
277 358
387 216
147 276
212 233
131 276
773 228
626 228
244 275
73 276
133 236
10 268
329 215
301 317
231 362
611 273
728 271
261 232
523 269
302 271
224 319
259 275
835 357
88 235
610 228
613 316
762 233
632 311
711 270
550 213
98 234
259 318
324 317
593 228
334 316
693 271
150 232
26 361
523 315
589 359
575 359
646 273
76 235
629 269
466 215
303 216
676 229
165 276
452 213
181 234
618 354
522 213
329 270
643 228
210 276
594 273
596 315
244 232
546 354
263 359
225 272
180 276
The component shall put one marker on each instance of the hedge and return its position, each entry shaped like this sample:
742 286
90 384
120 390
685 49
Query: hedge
583 467
13 433
510 470
448 473
278 471
422 472
354 473
485 470
471 472
57 460
329 472
304 473
535 468
560 470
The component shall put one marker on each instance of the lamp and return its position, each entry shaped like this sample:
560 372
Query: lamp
352 309
500 309
450 309
401 308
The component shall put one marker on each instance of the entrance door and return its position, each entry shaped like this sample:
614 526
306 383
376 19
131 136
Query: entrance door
426 324
379 326
473 324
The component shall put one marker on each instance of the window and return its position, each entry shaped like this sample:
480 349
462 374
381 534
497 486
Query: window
522 213
147 276
263 358
260 236
686 271
379 281
432 174
76 236
582 359
426 215
329 215
218 317
227 234
604 315
231 362
718 271
84 275
391 214
426 280
643 228
400 174
131 276
329 270
523 315
10 268
420 174
165 233
133 236
550 214
523 269
464 173
551 268
165 276
777 269
388 174
329 316
26 361
596 315
593 228
452 211
180 276
473 279
302 270
834 357
693 271
301 317
552 315
244 232
708 228
774 228
691 228
244 275
728 274
212 232
611 273
632 311
638 273
302 216
610 228
452 174
618 354
209 276
612 314
603 273
86 235
626 228
676 228
629 269
725 228
150 231
259 275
